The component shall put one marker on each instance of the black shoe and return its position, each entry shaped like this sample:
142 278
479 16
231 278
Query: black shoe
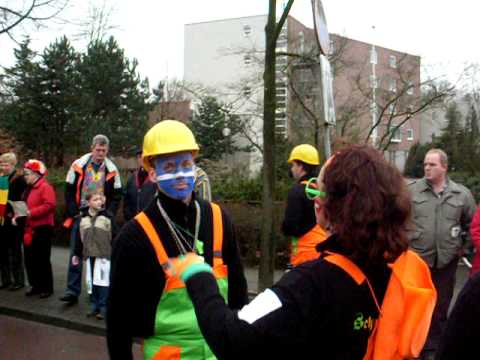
69 299
92 313
15 287
32 292
45 294
6 285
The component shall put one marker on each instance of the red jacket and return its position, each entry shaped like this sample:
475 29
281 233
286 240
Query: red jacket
41 202
475 234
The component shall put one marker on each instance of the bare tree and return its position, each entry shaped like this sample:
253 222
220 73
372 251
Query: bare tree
97 25
267 243
21 13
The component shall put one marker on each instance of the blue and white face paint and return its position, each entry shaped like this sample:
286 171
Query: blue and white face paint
175 175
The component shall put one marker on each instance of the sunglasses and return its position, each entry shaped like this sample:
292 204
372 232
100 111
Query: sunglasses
312 192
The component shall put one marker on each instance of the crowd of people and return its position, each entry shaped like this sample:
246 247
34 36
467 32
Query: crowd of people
173 275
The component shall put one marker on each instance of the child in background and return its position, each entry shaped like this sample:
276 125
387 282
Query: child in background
94 245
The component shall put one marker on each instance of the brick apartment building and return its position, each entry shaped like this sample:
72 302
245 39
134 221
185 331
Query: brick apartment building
227 55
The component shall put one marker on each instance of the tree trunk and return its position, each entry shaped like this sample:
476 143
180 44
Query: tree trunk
267 243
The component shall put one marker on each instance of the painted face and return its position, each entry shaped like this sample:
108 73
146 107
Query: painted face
175 175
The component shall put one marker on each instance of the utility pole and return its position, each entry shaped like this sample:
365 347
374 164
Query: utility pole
325 77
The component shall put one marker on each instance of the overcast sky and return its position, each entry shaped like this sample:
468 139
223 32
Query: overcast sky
442 32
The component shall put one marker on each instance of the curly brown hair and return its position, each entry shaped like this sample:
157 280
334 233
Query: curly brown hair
368 205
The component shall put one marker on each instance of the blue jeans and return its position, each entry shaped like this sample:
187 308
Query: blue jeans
99 299
74 275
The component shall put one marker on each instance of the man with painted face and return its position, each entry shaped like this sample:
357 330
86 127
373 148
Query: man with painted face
145 299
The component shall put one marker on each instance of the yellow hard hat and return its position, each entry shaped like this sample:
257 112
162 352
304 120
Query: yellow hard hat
305 153
167 137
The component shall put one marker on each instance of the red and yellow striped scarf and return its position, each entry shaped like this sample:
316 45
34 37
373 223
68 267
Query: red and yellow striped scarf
3 197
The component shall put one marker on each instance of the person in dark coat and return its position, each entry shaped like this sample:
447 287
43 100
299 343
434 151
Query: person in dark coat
460 338
11 231
299 221
317 310
139 191
145 300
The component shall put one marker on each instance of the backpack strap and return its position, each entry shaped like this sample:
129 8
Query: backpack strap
353 270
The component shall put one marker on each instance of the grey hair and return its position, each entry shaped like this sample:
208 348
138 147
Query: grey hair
442 154
100 139
9 157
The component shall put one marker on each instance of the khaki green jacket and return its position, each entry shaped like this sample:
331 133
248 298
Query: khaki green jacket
441 223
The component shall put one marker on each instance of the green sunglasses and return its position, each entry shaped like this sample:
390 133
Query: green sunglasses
312 192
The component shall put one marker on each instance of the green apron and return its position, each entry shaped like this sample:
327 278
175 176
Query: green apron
176 331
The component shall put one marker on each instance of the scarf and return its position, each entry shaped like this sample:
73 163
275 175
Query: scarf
3 197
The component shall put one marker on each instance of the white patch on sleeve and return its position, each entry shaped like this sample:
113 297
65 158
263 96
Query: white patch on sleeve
262 305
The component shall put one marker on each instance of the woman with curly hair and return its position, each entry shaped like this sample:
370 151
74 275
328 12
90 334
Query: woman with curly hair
318 310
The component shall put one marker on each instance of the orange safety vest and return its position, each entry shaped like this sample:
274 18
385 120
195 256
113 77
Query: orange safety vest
176 334
305 248
406 310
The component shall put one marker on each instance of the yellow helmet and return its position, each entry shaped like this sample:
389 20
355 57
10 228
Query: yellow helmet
167 137
305 153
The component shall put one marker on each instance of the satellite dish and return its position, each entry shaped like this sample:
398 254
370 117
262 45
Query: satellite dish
320 24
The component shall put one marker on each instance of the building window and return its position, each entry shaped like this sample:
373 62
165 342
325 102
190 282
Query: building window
392 86
301 39
247 30
247 59
409 88
373 56
331 49
397 136
393 61
391 109
410 134
247 91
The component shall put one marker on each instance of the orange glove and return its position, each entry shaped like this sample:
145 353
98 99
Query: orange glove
185 266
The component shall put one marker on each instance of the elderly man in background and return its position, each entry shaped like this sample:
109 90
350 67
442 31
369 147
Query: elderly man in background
92 173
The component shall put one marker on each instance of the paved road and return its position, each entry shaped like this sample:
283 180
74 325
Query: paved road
27 340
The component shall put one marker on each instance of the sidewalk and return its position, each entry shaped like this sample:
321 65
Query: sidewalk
52 311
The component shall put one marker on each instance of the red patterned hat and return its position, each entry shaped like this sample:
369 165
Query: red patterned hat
36 166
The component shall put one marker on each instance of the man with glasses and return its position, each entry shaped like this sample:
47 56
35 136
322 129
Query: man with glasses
299 222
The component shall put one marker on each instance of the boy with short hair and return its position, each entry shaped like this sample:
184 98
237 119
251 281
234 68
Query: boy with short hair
95 246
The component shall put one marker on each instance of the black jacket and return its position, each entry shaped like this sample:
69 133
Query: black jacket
322 314
137 279
139 192
460 338
16 189
299 213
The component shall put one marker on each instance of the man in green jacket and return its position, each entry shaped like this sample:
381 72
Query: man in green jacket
442 212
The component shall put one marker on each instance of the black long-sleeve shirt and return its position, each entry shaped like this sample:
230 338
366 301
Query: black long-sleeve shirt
137 279
139 191
460 338
316 311
299 213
